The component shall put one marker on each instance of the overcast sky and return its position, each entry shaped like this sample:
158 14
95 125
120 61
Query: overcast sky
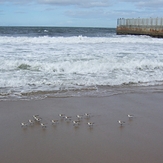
75 13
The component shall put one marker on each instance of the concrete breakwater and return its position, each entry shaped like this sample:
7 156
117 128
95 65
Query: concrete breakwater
147 26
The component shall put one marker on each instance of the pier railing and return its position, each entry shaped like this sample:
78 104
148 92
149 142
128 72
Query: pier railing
146 26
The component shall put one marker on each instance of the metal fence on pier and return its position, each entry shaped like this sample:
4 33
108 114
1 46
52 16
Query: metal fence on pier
141 26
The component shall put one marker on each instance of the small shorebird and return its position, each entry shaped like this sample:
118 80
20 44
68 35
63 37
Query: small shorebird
76 123
79 116
43 125
87 115
68 118
37 118
62 116
130 116
90 124
54 122
121 122
24 125
30 122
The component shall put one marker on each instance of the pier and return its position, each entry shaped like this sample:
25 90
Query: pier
140 26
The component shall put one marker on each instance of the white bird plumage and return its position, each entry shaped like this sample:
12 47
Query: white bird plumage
24 124
37 118
30 122
43 125
76 123
130 116
121 122
79 116
54 122
68 118
90 124
62 116
87 115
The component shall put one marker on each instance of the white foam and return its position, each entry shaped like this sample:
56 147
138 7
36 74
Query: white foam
45 63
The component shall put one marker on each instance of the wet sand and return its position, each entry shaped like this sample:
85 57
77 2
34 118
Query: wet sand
140 140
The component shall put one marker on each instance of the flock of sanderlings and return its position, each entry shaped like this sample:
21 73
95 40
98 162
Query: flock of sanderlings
76 123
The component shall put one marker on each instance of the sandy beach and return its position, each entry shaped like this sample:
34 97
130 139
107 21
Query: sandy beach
138 141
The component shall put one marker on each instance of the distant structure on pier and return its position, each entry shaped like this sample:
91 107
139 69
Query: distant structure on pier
148 26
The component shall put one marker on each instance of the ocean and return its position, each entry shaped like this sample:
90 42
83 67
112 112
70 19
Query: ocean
40 62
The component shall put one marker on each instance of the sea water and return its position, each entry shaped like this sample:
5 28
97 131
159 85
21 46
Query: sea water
36 62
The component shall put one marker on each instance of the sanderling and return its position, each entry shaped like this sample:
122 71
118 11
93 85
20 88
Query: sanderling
130 116
62 116
30 122
121 122
76 123
87 115
68 118
24 124
90 124
54 122
43 125
37 118
79 116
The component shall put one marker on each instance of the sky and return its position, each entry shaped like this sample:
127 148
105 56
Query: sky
75 13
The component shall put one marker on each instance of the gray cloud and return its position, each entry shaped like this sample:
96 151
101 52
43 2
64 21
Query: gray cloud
95 13
91 3
151 4
82 3
146 3
15 1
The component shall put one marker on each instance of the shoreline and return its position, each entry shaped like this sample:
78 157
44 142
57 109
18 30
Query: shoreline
139 140
98 91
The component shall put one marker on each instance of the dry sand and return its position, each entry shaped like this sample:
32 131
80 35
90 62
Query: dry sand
140 140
